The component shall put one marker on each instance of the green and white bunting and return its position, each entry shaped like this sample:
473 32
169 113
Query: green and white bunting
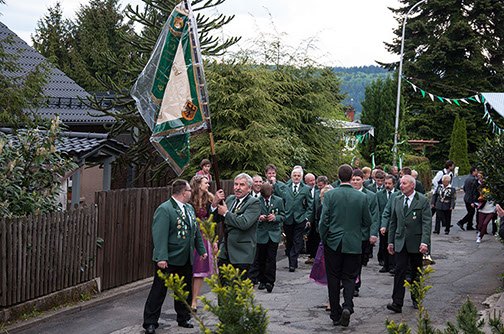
170 92
477 98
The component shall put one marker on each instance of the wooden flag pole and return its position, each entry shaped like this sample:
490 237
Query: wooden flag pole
202 90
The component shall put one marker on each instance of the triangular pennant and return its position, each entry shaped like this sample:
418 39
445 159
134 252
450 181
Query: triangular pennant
440 98
456 102
432 97
472 99
414 87
464 100
477 98
448 100
482 98
423 92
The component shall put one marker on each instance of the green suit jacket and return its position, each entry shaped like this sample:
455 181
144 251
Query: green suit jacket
315 204
387 211
375 217
241 227
298 208
412 229
267 230
174 235
345 214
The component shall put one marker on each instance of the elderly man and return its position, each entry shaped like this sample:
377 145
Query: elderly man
240 214
298 210
345 214
175 233
408 237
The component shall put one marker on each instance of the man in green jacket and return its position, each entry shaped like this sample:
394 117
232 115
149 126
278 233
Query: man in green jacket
345 214
268 237
409 237
175 232
240 214
298 210
369 234
383 198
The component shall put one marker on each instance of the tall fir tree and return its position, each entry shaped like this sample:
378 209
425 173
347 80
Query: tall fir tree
81 49
453 48
458 146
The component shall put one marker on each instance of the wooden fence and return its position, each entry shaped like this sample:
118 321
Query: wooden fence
44 253
125 220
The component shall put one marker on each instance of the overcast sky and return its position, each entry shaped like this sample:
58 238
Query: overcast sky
347 33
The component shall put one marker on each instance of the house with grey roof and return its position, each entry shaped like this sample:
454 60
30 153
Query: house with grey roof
87 140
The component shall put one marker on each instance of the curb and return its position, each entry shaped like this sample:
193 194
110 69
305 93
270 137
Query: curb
97 300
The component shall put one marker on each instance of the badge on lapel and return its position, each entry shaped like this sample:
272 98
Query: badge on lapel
414 215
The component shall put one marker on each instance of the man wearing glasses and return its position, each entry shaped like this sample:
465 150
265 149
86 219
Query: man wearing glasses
175 233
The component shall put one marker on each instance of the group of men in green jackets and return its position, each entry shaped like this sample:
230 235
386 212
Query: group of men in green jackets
253 217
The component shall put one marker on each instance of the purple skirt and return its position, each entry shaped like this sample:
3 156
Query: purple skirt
203 268
318 272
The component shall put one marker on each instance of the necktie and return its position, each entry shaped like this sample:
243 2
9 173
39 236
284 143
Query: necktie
405 209
295 189
388 194
235 205
188 218
267 205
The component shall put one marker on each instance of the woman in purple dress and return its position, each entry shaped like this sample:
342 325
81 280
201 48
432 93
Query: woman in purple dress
201 199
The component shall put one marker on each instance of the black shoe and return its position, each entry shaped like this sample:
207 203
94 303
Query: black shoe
261 286
392 271
151 329
356 293
394 307
436 232
292 269
384 270
446 232
461 225
345 318
186 324
415 304
269 287
470 228
195 310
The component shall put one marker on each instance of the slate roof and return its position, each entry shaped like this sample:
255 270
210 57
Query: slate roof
82 145
59 86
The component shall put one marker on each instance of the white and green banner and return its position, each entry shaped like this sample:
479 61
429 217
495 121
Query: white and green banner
170 92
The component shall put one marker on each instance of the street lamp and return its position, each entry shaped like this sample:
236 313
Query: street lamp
399 82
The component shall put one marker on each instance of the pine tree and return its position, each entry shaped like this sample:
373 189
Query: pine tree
81 49
458 146
453 49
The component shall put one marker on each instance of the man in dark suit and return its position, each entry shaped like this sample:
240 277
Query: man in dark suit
298 208
382 198
470 198
268 237
409 237
240 214
345 214
175 232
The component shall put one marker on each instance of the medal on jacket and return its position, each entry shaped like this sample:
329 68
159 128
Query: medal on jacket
182 227
414 215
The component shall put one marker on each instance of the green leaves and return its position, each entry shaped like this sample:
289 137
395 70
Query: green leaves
31 171
491 162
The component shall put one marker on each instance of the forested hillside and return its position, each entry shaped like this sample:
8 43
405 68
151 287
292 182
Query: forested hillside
355 80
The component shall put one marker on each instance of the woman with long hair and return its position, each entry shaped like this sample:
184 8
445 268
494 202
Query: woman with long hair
201 200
